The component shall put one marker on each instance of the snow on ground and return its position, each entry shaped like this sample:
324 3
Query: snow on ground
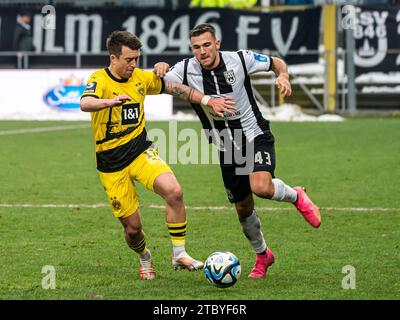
381 89
314 74
292 112
286 112
379 77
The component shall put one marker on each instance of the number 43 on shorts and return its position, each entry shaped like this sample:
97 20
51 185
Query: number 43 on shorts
262 157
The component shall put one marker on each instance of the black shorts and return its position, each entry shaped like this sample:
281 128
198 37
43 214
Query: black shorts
260 156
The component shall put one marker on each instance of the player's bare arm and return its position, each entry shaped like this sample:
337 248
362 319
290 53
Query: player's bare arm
91 104
219 105
282 82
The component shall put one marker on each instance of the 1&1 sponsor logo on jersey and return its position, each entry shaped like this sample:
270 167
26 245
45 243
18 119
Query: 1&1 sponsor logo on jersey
66 95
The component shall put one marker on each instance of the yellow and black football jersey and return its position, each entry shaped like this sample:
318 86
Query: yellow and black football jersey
119 131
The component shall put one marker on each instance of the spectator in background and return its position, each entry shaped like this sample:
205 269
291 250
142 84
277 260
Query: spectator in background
23 33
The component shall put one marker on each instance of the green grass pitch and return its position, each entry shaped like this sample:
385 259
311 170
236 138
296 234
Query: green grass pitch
346 167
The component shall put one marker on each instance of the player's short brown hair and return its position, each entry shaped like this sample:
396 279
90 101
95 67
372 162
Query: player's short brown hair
202 28
118 38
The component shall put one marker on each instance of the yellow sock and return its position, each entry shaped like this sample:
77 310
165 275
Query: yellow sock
140 247
177 231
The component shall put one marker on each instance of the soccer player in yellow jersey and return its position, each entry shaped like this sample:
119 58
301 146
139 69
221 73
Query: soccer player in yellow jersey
124 154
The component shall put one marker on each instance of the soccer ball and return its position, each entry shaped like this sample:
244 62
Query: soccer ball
222 269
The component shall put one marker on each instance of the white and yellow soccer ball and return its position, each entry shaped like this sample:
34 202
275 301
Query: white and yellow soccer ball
222 269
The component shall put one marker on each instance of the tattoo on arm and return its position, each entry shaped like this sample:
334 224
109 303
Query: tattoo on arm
177 91
191 92
181 91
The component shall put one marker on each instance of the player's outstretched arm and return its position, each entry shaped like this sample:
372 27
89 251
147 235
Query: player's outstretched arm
219 105
91 104
282 82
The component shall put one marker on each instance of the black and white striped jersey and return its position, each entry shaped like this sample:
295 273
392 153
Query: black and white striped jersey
230 78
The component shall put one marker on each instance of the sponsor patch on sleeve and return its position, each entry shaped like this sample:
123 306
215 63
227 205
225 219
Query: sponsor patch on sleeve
260 57
90 87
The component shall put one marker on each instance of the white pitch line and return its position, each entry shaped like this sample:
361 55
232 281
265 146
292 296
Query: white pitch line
56 206
194 208
152 206
278 209
43 129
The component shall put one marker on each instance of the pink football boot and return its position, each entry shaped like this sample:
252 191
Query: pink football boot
262 264
307 208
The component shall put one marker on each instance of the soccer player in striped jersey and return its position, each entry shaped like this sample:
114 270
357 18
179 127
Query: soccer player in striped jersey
115 97
244 135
